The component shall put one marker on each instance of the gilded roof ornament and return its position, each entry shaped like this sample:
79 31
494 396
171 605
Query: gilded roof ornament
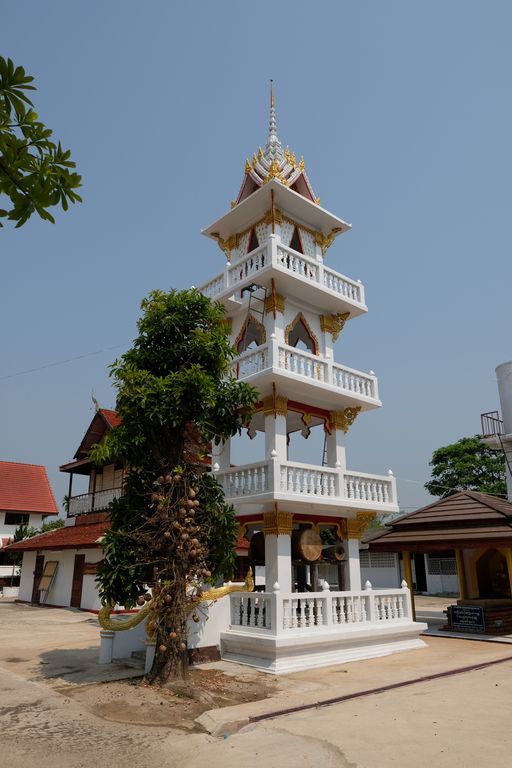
301 164
248 167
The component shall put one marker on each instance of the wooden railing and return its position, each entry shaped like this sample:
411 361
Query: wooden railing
92 502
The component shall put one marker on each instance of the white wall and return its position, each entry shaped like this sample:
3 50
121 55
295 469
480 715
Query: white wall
381 569
27 576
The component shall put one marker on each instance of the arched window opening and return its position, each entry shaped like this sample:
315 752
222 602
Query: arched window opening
253 241
296 242
251 336
300 336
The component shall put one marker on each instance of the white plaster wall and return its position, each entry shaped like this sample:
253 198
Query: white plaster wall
439 584
381 577
27 575
90 597
215 618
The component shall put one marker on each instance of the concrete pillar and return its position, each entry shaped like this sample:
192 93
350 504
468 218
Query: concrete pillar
504 377
277 527
275 436
221 455
106 646
461 574
335 443
353 566
406 557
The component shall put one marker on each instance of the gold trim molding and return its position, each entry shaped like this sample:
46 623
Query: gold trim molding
275 405
334 324
277 523
357 527
325 241
344 419
274 302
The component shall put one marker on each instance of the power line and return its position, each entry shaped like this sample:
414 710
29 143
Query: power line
61 362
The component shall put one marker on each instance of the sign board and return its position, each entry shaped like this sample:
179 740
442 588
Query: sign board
50 569
467 618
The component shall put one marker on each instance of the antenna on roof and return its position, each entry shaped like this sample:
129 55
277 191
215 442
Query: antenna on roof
95 402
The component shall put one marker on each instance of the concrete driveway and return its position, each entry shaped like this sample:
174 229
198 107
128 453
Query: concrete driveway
455 720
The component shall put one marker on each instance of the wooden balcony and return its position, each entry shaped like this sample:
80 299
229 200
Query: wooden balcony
92 502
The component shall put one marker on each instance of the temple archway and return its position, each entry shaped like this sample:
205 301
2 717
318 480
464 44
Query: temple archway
299 334
492 575
252 335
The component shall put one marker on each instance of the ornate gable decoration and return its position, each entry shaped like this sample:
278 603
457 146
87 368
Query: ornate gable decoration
273 162
334 324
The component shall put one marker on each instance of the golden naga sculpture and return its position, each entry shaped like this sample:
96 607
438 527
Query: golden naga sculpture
119 624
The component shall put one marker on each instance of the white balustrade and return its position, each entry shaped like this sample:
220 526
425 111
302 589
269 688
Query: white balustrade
359 486
308 479
302 363
275 254
254 262
80 505
251 610
214 287
297 262
354 381
319 611
347 288
244 481
251 361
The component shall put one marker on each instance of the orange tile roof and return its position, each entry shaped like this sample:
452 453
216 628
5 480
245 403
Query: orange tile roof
72 537
25 488
112 417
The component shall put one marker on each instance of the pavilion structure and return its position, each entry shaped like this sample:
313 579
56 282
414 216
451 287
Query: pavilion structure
478 527
285 309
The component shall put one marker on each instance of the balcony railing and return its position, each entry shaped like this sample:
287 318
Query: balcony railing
92 502
491 424
277 256
301 363
307 482
279 613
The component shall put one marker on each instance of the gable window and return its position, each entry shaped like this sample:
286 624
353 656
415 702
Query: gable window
298 334
296 242
12 518
253 241
252 335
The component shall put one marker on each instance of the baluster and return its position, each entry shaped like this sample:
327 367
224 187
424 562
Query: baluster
357 609
260 613
286 614
243 620
317 483
320 612
252 611
400 606
385 492
294 609
300 361
302 613
235 611
350 610
364 612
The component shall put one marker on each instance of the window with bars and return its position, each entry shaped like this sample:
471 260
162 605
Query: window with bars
441 566
376 559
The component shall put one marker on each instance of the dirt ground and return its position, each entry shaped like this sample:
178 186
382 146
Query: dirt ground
59 708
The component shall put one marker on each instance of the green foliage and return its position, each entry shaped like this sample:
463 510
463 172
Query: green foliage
52 525
35 173
467 465
174 398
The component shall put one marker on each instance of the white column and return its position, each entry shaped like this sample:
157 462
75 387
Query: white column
504 377
106 646
275 436
221 454
278 562
336 449
353 566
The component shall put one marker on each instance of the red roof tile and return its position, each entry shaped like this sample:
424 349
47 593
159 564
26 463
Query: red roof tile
113 418
242 543
72 537
25 488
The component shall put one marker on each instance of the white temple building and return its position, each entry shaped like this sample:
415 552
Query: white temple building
286 308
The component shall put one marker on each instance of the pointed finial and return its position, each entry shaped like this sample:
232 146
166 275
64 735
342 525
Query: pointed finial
272 125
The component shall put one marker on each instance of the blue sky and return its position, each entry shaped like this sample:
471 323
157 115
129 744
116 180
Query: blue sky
402 111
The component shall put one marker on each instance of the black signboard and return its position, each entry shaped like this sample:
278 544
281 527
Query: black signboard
467 618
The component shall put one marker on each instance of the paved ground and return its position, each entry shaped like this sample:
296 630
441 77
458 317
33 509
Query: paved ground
457 720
